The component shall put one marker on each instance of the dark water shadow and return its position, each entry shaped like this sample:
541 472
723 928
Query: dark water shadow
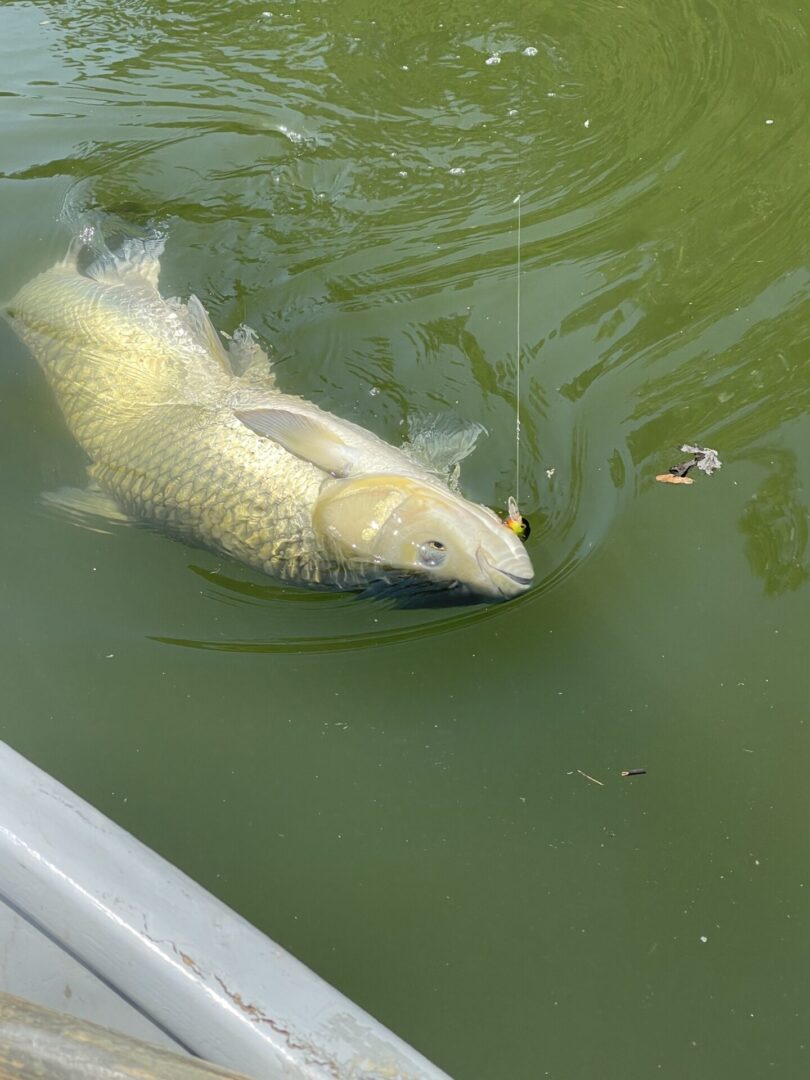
775 525
350 615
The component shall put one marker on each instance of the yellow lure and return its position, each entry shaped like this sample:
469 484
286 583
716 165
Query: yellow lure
517 522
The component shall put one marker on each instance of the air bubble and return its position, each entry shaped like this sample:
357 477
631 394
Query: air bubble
494 59
530 51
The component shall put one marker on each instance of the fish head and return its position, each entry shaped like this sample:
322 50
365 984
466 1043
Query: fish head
424 533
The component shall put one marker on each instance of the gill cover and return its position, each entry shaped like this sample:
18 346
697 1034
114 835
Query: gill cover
351 514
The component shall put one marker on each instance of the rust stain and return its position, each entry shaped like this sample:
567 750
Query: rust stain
189 962
256 1014
252 1010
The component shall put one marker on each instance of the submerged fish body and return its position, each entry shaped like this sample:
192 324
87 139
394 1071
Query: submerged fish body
201 442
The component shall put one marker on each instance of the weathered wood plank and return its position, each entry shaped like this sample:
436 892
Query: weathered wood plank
39 1044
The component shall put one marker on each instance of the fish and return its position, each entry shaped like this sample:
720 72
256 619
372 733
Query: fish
196 438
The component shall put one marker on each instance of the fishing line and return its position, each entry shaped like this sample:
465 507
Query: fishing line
516 521
517 350
518 200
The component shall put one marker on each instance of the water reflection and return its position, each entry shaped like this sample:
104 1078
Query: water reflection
735 380
316 622
361 218
775 524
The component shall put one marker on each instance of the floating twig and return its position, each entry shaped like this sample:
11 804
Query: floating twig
634 772
683 467
591 778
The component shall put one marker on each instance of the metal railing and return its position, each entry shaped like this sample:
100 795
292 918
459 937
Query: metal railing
156 940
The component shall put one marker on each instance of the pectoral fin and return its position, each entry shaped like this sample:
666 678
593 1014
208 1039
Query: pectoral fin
305 436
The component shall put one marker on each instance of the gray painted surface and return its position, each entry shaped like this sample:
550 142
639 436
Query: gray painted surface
192 966
32 966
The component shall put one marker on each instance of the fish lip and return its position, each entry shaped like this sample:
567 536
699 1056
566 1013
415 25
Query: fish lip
524 581
491 570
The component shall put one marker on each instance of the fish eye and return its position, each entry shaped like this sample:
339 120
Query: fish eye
432 553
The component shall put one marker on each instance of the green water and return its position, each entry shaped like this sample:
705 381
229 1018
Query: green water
395 796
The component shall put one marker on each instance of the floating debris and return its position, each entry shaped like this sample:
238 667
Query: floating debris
706 459
591 778
670 478
634 772
683 468
703 457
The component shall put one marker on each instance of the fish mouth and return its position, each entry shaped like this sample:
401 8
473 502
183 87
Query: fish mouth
510 580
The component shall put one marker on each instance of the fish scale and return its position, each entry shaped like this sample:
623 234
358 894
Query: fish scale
177 438
195 496
156 459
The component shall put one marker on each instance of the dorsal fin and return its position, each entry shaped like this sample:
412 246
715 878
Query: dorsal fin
248 359
441 442
135 258
205 332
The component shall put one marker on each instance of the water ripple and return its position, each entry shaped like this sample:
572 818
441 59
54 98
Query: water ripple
346 185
